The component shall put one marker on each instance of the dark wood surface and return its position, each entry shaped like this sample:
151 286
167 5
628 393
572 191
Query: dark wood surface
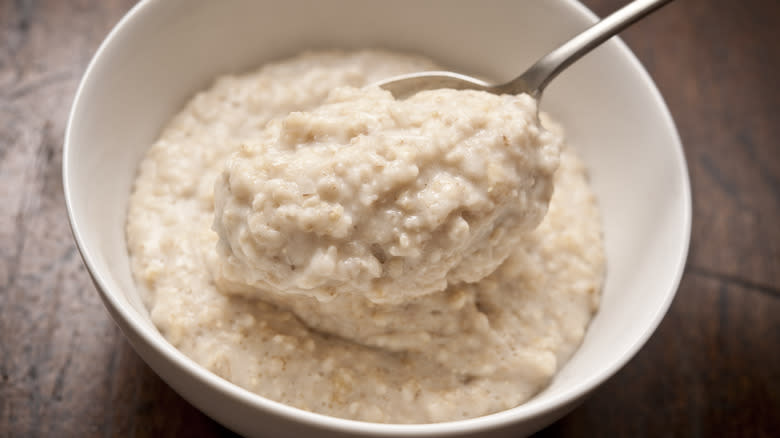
711 369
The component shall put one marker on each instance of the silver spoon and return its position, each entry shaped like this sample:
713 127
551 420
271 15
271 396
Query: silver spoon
541 73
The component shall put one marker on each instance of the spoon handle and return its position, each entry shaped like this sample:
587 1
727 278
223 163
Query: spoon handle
548 67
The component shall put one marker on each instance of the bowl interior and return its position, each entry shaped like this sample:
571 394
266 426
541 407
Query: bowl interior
164 51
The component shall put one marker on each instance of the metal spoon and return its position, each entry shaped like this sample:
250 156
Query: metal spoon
541 73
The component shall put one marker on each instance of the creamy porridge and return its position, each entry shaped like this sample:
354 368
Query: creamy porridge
384 199
333 249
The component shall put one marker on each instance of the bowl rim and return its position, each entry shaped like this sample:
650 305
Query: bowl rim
120 311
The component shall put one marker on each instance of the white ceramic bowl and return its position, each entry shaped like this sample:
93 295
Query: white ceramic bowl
164 50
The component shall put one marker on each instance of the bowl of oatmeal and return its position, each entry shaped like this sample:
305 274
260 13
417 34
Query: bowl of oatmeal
296 252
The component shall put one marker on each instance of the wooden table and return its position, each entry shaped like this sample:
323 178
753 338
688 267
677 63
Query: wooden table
711 369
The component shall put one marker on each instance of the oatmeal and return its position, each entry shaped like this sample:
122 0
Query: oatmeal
388 199
373 259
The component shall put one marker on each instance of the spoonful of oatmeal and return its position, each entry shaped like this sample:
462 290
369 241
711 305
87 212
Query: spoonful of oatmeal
387 198
535 79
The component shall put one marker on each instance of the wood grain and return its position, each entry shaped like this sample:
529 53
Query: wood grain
712 369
